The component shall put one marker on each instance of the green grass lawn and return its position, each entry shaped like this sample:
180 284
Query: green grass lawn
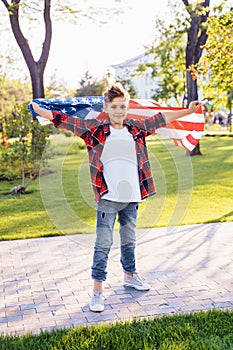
190 190
211 330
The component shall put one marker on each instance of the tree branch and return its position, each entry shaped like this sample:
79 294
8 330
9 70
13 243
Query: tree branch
188 7
6 4
203 35
201 41
186 3
48 35
19 37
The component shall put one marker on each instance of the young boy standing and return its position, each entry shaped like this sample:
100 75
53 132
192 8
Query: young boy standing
120 175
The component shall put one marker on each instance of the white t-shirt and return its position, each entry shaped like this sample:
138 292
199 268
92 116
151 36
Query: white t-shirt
120 167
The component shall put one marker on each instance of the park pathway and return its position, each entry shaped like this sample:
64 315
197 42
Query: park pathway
45 283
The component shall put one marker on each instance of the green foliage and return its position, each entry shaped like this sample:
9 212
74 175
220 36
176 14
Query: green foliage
212 330
56 88
92 89
12 92
11 160
20 157
90 86
171 69
127 84
217 62
168 68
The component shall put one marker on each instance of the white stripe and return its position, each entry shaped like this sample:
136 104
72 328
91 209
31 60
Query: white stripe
178 134
188 145
92 115
146 103
144 112
195 117
43 121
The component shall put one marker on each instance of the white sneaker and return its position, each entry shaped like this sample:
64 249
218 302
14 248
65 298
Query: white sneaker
97 302
136 282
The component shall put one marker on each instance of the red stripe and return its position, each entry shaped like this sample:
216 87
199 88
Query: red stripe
160 108
102 116
192 140
183 125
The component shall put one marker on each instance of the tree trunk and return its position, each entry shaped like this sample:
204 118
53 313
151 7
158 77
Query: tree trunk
36 68
192 93
196 37
37 79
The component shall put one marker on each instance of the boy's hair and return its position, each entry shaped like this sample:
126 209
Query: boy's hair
115 90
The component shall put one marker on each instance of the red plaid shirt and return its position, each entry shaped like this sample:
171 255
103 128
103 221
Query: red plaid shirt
94 133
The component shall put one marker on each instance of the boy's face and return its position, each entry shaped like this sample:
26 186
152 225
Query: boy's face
117 111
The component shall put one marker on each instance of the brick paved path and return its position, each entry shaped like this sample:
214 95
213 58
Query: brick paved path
45 283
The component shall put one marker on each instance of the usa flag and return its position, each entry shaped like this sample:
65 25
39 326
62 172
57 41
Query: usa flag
185 132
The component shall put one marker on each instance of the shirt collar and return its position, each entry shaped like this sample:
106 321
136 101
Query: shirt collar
106 126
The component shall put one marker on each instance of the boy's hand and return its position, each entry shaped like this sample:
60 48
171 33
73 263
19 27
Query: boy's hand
35 107
41 111
194 105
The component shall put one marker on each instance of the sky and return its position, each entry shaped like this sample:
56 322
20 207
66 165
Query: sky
95 47
89 46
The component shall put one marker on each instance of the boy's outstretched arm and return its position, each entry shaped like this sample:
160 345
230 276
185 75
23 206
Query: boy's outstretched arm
172 115
42 112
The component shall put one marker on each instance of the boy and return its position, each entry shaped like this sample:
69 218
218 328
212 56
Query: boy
120 175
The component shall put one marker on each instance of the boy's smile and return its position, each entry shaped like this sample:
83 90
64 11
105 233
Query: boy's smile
117 110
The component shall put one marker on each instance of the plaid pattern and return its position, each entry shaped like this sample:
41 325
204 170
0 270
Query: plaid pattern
94 133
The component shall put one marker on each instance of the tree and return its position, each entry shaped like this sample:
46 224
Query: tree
57 88
32 12
168 67
12 92
217 61
89 86
94 87
175 63
17 160
127 83
196 38
37 67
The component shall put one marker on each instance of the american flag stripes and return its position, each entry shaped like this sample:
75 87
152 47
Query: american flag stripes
185 131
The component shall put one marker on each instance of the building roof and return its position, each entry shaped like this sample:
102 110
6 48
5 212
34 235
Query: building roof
129 61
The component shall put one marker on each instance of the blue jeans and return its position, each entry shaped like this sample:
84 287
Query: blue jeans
106 216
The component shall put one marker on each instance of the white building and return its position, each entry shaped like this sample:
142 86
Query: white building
144 85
